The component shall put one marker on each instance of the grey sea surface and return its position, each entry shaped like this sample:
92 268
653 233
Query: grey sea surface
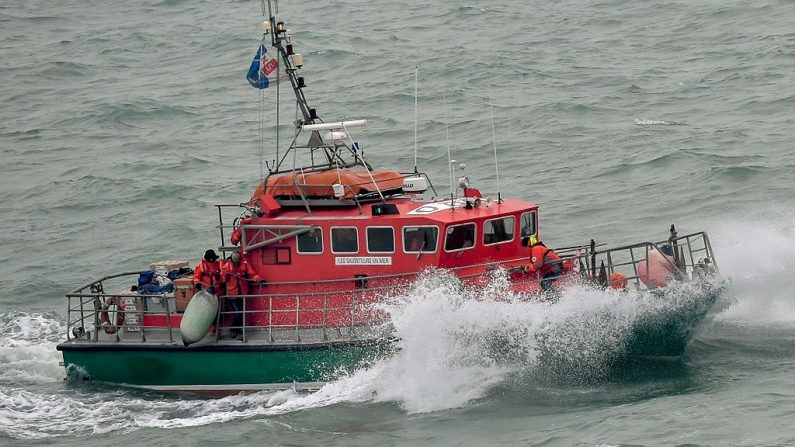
122 123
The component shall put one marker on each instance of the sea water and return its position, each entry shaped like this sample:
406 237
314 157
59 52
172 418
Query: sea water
122 124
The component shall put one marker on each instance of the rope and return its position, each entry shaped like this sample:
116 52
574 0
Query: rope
261 133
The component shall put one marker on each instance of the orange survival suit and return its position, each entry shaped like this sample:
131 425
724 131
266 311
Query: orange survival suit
236 277
544 260
547 263
207 273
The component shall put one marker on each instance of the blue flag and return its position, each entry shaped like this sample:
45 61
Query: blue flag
261 69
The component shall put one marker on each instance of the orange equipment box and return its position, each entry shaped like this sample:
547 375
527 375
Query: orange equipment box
183 292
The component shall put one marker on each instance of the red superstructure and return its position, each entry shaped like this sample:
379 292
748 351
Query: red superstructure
354 247
348 242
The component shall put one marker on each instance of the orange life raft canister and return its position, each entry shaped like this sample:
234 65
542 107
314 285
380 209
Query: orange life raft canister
656 270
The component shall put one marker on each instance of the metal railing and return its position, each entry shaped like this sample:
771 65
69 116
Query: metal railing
300 316
338 306
307 202
85 311
87 304
260 236
685 257
145 315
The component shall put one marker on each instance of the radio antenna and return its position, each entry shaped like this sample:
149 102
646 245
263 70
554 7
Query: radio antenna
494 143
416 75
447 139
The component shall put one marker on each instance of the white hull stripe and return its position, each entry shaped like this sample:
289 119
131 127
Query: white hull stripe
235 388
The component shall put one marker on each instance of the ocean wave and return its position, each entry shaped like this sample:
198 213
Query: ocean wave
57 70
758 254
128 114
736 173
27 348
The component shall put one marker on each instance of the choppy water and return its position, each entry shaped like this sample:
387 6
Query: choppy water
122 123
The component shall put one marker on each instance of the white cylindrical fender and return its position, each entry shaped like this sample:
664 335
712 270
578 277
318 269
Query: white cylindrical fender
198 317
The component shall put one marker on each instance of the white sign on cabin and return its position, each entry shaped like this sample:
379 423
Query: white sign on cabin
430 208
363 260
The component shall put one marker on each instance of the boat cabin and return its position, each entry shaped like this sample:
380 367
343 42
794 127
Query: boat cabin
399 237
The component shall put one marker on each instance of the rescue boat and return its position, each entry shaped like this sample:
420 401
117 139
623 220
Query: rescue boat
329 239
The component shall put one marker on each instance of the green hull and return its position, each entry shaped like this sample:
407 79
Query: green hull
668 332
662 338
215 369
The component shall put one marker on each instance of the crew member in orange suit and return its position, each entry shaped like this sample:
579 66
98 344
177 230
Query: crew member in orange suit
236 274
544 262
207 273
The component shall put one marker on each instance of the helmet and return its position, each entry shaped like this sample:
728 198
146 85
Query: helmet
532 241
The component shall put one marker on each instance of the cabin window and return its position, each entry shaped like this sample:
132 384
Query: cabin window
344 240
528 226
460 237
380 240
498 230
420 239
310 242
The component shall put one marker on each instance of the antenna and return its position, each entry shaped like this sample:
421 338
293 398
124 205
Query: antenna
416 73
447 138
494 143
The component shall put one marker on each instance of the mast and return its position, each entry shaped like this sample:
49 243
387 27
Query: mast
280 39
335 152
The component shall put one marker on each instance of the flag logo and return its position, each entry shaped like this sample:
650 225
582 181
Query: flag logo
262 71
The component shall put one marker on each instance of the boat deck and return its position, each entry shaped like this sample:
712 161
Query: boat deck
253 337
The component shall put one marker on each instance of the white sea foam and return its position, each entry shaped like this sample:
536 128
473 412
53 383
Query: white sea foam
647 122
759 258
27 348
456 344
